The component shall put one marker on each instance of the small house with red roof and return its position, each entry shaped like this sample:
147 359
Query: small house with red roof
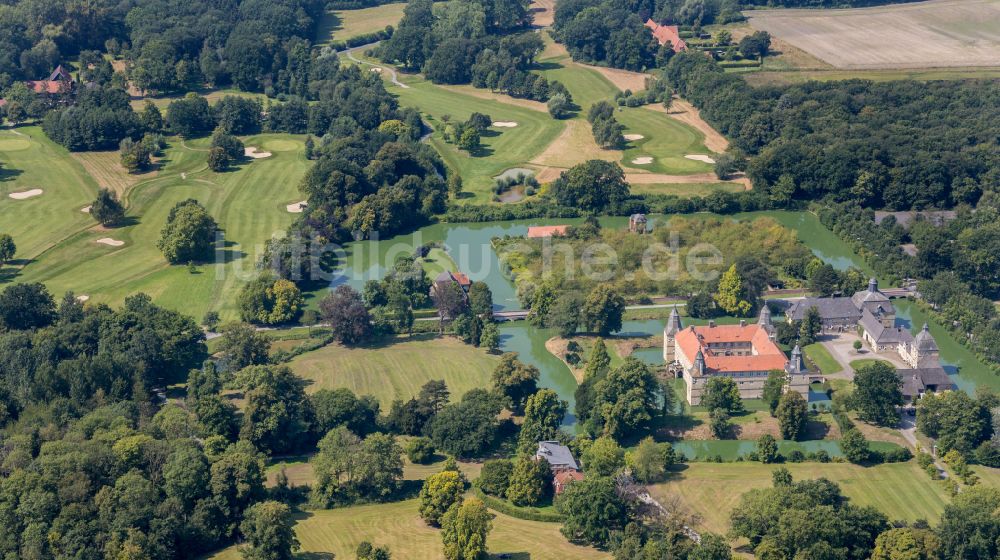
745 353
562 479
59 82
664 33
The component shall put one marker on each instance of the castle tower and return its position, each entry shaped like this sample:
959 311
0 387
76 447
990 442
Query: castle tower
669 333
925 350
764 321
699 364
795 365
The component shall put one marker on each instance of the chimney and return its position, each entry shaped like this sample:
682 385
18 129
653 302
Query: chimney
743 322
711 323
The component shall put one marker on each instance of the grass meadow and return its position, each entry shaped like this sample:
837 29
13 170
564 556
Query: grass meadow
900 490
341 25
397 369
398 525
247 202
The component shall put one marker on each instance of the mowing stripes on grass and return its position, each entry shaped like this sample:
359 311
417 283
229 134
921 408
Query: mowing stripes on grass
29 160
248 203
501 148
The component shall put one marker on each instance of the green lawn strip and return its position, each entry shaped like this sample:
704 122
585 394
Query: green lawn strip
819 355
502 148
587 86
437 261
29 160
396 369
685 190
398 526
666 140
248 203
858 364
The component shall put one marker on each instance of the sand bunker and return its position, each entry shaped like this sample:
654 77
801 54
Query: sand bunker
85 209
377 70
296 208
25 194
631 137
111 242
251 151
700 157
644 160
82 299
504 124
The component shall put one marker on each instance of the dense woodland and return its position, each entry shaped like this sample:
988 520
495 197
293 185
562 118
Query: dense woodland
169 45
898 144
485 43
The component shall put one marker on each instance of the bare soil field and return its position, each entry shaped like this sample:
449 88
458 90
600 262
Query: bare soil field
934 34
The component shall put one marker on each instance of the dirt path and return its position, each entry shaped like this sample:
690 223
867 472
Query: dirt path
683 111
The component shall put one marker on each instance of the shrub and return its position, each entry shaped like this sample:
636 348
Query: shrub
420 450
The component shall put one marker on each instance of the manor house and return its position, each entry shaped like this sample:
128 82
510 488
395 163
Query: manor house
746 353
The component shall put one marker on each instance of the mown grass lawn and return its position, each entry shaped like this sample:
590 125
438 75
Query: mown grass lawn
341 25
398 526
900 490
819 355
686 190
29 160
397 369
502 148
666 140
247 202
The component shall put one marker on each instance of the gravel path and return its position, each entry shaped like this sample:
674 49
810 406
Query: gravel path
389 69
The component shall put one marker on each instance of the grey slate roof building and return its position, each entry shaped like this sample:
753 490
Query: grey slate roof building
558 455
918 381
881 336
834 311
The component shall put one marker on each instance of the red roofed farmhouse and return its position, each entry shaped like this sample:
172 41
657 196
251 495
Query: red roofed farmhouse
58 83
745 353
664 33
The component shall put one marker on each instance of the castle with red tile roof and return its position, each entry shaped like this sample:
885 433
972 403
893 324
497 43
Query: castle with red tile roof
664 33
746 353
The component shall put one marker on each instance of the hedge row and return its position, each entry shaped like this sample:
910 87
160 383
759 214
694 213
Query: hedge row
507 508
365 39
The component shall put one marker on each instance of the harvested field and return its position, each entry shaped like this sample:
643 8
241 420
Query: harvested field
939 33
543 11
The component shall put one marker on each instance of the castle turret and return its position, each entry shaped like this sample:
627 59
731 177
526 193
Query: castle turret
669 334
699 363
796 365
925 350
764 321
